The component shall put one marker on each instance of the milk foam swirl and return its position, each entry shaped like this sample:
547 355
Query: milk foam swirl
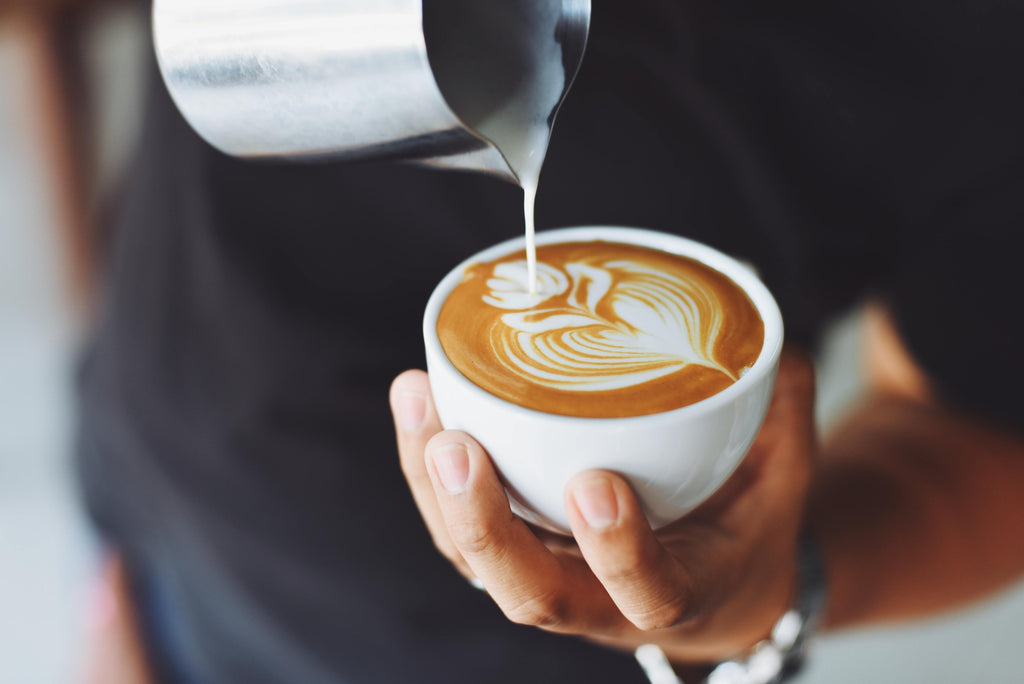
611 330
620 323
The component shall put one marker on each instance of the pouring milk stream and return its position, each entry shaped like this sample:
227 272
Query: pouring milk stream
462 84
516 43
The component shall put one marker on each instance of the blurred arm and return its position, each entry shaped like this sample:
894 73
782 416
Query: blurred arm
918 508
48 32
115 653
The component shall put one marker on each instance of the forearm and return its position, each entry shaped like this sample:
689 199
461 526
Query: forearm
49 35
917 510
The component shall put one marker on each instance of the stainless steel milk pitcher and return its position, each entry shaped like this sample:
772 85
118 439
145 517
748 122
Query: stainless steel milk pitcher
444 82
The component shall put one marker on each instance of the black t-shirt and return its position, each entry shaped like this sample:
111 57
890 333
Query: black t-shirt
236 437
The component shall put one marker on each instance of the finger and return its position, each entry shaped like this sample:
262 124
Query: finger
527 581
416 422
649 587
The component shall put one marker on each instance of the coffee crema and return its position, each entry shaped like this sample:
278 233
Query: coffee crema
613 330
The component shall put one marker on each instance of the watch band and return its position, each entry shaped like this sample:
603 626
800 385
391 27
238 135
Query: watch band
782 655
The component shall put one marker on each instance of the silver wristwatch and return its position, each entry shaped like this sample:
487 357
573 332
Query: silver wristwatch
778 657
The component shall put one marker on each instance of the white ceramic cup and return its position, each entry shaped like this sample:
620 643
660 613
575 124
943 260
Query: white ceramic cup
673 460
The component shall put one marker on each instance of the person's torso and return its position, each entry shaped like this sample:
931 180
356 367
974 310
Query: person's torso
235 420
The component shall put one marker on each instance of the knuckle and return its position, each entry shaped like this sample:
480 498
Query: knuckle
630 567
474 537
546 611
660 616
627 571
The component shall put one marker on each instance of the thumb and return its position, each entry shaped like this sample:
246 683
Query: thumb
647 584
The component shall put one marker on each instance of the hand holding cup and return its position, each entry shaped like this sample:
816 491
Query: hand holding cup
702 588
642 353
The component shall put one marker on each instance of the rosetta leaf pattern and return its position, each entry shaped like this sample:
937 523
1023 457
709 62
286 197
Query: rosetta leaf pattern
597 326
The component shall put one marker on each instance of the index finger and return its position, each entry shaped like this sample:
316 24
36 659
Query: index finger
529 583
646 582
416 422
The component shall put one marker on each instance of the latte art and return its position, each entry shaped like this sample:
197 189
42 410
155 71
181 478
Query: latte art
610 330
599 338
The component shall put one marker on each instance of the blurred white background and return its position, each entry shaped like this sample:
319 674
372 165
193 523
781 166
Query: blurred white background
43 547
46 554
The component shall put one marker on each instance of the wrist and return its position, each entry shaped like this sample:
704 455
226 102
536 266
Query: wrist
782 654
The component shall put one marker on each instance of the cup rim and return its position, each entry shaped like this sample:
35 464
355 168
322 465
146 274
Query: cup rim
741 274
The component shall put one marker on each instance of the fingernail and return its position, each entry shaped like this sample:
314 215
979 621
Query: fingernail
412 410
596 501
451 462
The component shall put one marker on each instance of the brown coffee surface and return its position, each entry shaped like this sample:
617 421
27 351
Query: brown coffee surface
613 330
